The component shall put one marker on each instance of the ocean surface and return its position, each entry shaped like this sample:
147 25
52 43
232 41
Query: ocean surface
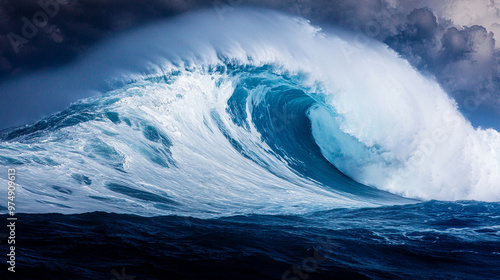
252 149
431 240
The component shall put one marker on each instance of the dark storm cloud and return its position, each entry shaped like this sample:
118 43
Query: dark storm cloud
40 33
463 58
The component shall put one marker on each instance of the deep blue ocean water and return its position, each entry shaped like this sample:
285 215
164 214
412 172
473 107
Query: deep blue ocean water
432 240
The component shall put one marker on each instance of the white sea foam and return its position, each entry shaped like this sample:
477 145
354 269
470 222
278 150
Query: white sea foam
378 120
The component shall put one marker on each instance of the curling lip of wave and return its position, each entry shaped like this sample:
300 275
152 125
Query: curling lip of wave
374 117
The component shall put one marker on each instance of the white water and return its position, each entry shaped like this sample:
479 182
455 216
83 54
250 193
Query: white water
382 123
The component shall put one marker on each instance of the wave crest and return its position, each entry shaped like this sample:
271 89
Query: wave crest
248 116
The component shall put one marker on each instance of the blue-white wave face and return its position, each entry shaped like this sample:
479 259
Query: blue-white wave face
268 116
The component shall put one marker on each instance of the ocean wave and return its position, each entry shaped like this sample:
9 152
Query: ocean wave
204 117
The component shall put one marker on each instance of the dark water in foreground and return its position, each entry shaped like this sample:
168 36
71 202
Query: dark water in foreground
432 240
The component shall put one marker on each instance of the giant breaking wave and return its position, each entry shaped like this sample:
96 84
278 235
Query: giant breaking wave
254 112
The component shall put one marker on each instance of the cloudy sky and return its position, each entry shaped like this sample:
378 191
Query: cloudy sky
452 40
